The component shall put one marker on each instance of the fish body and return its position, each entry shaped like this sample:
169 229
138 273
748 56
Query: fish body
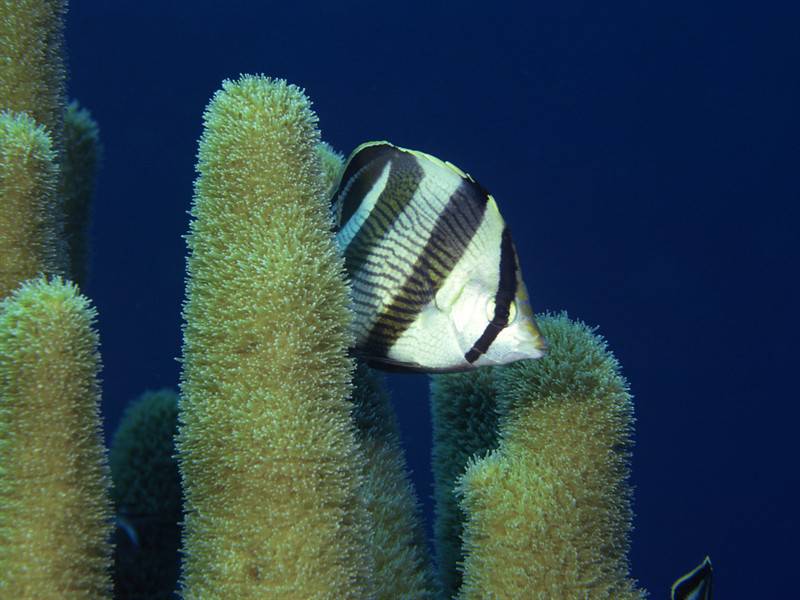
435 278
696 584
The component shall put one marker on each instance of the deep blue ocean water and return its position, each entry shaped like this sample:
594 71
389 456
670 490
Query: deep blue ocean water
645 154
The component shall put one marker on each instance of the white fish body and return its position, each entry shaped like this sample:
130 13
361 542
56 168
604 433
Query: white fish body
435 279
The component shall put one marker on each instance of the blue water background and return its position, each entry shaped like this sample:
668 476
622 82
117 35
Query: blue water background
645 154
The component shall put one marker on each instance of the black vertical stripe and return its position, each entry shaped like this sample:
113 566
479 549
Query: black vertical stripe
506 291
375 157
405 175
451 234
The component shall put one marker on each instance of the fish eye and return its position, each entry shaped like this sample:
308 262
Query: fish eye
490 306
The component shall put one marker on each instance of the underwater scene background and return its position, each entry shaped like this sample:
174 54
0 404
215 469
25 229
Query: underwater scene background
645 156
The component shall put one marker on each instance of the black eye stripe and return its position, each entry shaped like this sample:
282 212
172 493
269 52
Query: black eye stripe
506 292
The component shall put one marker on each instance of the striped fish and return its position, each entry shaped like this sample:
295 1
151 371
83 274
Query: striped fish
696 584
435 280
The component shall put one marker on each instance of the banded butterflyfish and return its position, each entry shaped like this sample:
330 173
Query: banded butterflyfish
435 278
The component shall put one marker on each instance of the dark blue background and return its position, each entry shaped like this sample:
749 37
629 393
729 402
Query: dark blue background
646 156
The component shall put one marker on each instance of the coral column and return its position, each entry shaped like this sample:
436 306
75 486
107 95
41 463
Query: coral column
32 95
55 514
548 512
267 449
32 71
28 182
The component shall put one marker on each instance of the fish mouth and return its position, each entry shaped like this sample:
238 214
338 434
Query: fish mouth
540 343
527 347
538 351
534 337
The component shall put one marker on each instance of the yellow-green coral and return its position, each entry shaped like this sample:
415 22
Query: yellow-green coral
331 163
147 497
54 507
32 71
28 182
32 83
79 167
142 457
397 540
266 446
548 512
464 415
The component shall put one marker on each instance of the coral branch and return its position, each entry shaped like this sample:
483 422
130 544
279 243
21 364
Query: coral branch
55 517
548 512
267 448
